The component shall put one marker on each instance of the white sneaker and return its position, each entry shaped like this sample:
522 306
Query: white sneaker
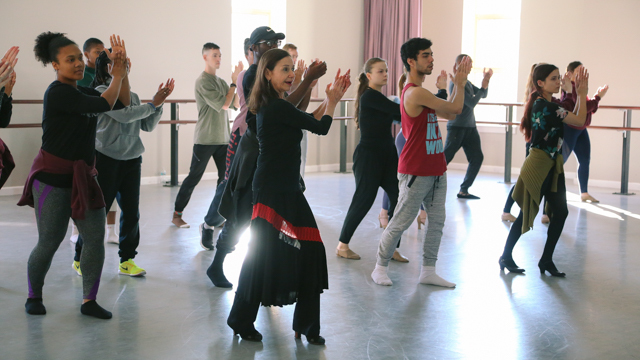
111 235
74 233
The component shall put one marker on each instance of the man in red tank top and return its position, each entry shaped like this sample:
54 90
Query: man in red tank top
422 166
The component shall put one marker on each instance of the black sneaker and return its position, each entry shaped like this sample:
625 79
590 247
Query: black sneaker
467 196
206 237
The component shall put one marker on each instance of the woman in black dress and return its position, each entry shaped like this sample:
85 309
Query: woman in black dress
286 261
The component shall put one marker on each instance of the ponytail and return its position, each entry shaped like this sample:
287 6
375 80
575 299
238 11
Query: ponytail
364 84
525 122
403 79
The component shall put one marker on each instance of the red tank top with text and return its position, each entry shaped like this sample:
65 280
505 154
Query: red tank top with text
423 153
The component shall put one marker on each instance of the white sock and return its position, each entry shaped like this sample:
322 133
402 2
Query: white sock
428 276
208 227
380 277
74 233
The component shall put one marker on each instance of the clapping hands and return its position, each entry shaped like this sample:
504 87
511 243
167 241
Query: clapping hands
7 65
164 90
581 76
236 72
441 81
461 71
336 91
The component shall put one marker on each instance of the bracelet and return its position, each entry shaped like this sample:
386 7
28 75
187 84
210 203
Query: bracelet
233 84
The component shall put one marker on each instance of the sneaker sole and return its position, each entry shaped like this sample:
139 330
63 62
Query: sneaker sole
132 275
201 244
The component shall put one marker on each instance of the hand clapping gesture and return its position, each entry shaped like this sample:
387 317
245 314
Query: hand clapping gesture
486 76
8 88
441 81
118 65
602 90
163 92
316 70
236 72
461 71
299 73
336 91
7 65
566 83
581 76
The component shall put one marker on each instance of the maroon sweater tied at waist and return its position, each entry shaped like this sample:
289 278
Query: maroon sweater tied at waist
85 191
6 163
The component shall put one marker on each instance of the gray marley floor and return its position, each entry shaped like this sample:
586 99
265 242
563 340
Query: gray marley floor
176 313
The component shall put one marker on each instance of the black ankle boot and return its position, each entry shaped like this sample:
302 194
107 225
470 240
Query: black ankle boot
216 273
510 265
550 267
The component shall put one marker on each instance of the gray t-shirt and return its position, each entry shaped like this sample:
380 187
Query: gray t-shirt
213 122
472 96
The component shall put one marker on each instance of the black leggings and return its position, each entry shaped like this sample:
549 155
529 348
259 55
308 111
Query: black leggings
558 212
371 171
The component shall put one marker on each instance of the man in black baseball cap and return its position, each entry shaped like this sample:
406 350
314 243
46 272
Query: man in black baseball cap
265 33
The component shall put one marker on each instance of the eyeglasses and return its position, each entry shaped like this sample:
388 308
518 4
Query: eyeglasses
270 43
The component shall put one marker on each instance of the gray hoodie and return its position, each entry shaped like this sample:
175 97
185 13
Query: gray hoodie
118 131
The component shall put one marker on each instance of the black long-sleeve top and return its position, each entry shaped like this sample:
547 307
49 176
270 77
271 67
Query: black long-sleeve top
6 109
280 125
376 113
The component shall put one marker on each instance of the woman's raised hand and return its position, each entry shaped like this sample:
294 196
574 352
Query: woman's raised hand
581 76
118 65
299 72
164 90
565 82
316 70
7 64
336 91
8 88
117 44
602 90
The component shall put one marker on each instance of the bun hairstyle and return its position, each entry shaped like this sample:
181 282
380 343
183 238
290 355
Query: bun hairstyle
102 70
48 45
262 91
364 84
540 72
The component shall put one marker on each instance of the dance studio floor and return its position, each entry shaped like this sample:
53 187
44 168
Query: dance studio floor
176 313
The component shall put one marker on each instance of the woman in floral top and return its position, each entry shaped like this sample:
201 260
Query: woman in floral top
542 172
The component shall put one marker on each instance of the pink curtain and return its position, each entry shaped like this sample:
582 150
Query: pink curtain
387 25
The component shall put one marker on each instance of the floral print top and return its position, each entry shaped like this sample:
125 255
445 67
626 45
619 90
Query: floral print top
547 130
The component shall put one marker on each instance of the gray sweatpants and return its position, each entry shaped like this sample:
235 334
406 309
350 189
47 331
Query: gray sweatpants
431 191
53 210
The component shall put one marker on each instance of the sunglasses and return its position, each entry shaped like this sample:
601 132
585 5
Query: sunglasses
270 43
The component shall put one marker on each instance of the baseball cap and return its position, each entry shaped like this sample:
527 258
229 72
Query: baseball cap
264 33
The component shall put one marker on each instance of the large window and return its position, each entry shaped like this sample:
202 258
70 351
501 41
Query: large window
491 36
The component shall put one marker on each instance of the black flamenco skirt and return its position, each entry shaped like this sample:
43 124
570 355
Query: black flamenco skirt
286 257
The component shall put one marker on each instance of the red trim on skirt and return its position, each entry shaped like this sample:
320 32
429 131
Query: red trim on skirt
295 232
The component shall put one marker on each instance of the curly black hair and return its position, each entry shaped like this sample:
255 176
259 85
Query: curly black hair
48 44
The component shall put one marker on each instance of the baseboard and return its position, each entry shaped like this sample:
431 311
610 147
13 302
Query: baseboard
570 176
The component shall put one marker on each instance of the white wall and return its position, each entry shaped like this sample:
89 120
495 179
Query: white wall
162 40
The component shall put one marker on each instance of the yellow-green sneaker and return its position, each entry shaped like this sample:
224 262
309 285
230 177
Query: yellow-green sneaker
76 267
130 268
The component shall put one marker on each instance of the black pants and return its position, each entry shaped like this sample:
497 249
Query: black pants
372 169
558 212
235 225
199 161
469 139
213 218
120 180
306 318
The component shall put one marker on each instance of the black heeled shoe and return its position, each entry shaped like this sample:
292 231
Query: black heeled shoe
316 340
254 335
551 268
510 265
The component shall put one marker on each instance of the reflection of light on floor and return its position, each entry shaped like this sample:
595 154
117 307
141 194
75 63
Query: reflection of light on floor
623 212
574 199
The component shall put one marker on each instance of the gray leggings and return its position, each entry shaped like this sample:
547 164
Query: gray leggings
431 192
53 210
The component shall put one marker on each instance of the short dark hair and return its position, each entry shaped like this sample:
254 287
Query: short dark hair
411 48
289 46
247 46
573 65
48 45
209 46
91 42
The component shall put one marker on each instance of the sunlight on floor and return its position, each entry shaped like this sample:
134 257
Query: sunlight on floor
599 209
